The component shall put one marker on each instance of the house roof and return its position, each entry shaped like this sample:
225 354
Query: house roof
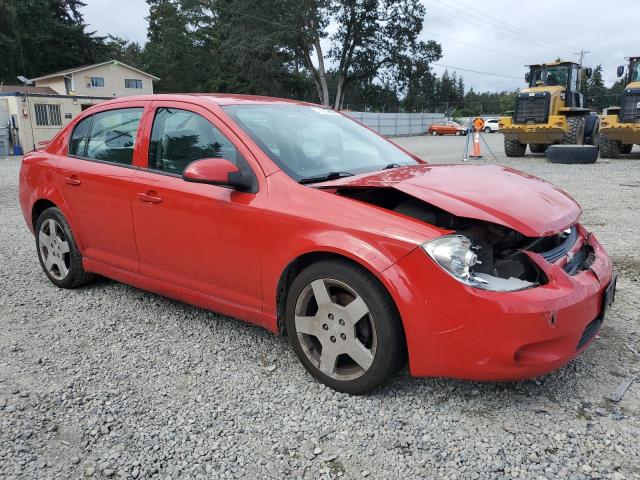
87 67
30 90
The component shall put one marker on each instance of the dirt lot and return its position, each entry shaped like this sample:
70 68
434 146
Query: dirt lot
111 381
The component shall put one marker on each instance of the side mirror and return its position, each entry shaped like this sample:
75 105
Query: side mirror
620 71
527 77
217 171
588 72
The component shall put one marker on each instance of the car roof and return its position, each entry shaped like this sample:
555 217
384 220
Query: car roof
221 99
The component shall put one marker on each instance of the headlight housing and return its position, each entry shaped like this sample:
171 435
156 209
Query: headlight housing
455 255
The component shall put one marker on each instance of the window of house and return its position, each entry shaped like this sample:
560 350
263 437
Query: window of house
48 115
132 83
179 137
79 137
113 135
97 81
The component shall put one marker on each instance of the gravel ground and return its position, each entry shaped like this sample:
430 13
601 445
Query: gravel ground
111 381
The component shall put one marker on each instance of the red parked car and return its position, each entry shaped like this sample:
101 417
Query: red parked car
298 219
447 128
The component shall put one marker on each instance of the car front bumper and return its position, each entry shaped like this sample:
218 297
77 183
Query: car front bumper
453 330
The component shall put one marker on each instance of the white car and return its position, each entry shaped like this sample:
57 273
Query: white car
491 126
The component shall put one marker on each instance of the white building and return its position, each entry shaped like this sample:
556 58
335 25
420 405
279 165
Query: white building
36 113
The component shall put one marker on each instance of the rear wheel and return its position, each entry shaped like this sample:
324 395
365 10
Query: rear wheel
538 147
513 148
57 250
344 327
487 129
575 134
609 148
626 149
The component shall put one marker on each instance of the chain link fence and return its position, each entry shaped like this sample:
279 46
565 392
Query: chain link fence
398 124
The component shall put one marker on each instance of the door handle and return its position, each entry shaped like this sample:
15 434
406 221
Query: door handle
73 180
149 197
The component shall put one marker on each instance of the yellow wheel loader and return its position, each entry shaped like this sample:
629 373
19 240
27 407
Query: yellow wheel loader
621 125
550 111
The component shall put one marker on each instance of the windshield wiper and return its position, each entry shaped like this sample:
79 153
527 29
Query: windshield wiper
325 178
392 165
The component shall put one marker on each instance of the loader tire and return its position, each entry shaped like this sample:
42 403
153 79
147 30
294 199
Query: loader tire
626 148
609 148
538 147
572 154
513 148
575 134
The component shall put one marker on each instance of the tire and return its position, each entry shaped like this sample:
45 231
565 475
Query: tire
487 129
434 133
626 149
538 147
458 133
575 134
513 148
609 148
572 154
59 256
330 332
592 130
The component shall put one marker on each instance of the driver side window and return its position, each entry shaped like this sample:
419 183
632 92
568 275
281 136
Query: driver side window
178 137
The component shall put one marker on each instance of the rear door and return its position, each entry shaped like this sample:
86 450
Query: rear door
95 180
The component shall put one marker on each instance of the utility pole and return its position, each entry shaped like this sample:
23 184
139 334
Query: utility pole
582 54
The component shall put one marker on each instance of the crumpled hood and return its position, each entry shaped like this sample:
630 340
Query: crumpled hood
492 193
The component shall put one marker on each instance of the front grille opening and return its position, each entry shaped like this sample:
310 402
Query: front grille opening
630 109
590 331
532 108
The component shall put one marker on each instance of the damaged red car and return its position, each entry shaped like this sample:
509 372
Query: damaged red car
299 219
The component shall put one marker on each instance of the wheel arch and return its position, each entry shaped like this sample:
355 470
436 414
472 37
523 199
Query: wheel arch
45 201
308 258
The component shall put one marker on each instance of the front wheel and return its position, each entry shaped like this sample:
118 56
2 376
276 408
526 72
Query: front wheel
57 250
514 148
575 134
487 129
434 133
344 327
609 148
458 133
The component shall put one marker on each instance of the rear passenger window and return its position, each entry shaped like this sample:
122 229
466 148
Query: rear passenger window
78 143
113 135
179 137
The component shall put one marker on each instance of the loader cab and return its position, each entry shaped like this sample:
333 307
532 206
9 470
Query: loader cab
634 69
563 74
559 74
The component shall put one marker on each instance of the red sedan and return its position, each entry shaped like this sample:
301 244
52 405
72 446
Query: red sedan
298 219
447 128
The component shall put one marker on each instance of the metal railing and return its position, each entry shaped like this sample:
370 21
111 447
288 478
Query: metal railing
398 124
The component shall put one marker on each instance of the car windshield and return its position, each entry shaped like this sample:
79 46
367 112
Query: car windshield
310 142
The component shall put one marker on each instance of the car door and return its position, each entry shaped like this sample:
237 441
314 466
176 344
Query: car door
202 237
95 181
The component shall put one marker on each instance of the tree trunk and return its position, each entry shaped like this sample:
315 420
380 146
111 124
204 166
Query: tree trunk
339 91
322 76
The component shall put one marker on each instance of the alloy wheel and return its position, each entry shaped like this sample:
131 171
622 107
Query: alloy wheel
54 249
335 329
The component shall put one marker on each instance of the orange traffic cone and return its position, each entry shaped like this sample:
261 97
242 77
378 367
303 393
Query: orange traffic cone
476 146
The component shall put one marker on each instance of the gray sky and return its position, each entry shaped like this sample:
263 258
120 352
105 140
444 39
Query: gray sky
521 33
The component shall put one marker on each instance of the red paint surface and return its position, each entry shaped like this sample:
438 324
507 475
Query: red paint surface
227 250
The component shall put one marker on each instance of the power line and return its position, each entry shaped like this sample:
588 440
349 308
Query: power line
473 45
515 35
516 29
582 54
475 71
